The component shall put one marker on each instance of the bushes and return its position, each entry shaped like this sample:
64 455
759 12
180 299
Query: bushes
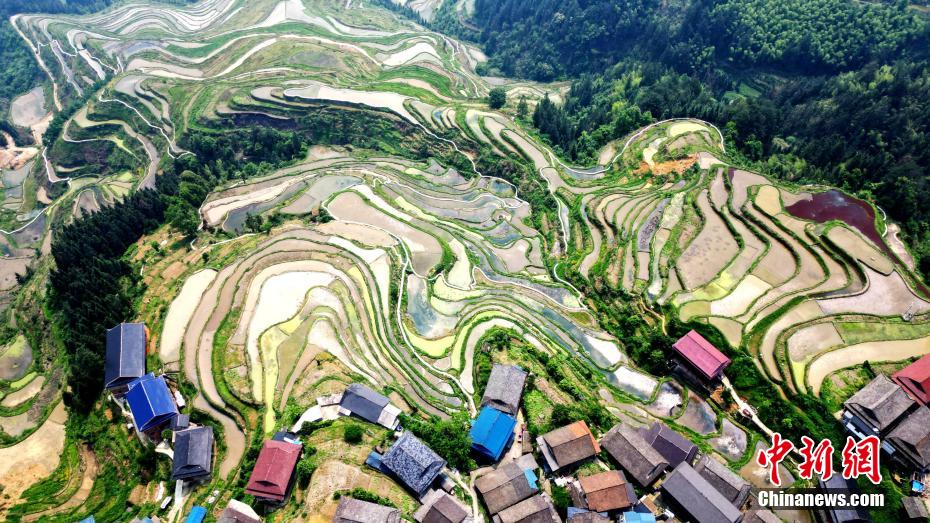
352 433
449 438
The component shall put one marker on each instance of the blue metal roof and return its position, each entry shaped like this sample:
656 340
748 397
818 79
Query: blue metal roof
197 515
491 432
125 359
150 402
637 517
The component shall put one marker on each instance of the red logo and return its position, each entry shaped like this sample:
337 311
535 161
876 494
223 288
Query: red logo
817 459
774 456
860 458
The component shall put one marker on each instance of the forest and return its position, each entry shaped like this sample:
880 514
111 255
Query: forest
826 91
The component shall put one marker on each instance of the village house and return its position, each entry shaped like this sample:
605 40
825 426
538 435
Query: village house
672 446
273 475
412 463
911 440
701 355
691 494
193 454
536 509
492 432
604 492
351 510
875 409
915 509
734 488
568 445
506 486
125 356
915 380
842 515
627 447
238 512
439 507
359 400
151 403
504 388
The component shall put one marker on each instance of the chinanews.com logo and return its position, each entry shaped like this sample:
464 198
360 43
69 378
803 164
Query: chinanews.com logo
858 459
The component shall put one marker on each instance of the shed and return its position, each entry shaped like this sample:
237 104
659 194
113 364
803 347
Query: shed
911 438
628 448
439 507
125 358
196 515
413 463
733 487
351 510
697 498
876 407
492 432
637 517
568 445
670 445
193 453
506 486
702 355
607 491
915 509
915 379
150 402
238 512
367 404
504 388
274 470
537 509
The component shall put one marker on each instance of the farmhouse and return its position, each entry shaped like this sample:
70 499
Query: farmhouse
915 509
875 409
628 448
915 380
125 359
193 453
504 388
693 495
911 439
537 509
414 464
238 512
273 474
734 488
702 355
361 401
351 510
440 507
605 492
670 445
492 432
506 486
842 515
150 402
568 445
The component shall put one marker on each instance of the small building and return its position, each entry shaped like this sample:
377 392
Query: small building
915 380
506 486
238 512
628 448
568 445
351 510
702 355
193 453
875 409
150 402
504 389
180 422
361 401
637 517
492 432
670 445
273 474
196 515
536 509
693 495
605 492
439 507
577 515
915 509
911 439
125 358
414 464
842 515
733 487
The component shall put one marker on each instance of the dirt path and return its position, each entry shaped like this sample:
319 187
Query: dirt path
873 351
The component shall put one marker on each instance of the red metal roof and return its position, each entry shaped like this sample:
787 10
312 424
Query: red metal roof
702 354
915 379
273 470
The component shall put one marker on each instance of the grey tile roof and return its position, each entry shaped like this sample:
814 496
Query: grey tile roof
698 498
440 507
413 463
238 512
880 403
568 445
844 515
669 444
912 437
193 453
504 388
504 486
761 516
351 510
125 358
363 402
915 508
733 487
537 509
628 448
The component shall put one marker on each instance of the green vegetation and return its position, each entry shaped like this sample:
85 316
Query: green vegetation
353 433
497 97
449 438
